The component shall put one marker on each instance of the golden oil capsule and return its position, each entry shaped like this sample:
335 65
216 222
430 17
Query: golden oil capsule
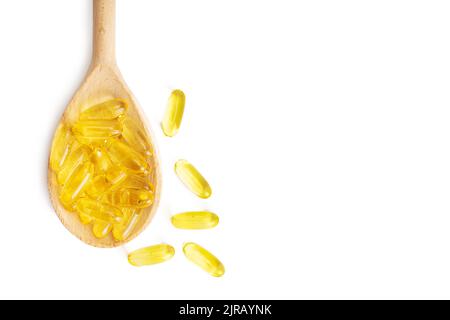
101 212
77 157
123 231
195 220
62 144
128 197
98 186
97 129
137 182
151 255
101 229
108 110
204 259
85 219
192 179
76 184
101 161
174 113
135 137
116 176
90 142
124 155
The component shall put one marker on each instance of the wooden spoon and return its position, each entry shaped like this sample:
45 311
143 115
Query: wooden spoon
104 81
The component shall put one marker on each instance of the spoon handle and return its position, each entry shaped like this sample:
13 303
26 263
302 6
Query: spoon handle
104 46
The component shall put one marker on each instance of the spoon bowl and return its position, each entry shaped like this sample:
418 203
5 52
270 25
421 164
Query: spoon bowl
104 82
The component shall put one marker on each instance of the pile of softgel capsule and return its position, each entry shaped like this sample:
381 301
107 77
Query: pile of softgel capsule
103 167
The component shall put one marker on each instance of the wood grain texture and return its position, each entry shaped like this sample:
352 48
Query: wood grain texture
104 81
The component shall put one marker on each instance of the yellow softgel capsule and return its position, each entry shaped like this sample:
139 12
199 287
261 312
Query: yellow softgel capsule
151 255
204 259
77 157
137 182
122 154
192 179
76 184
85 219
124 230
97 129
62 144
101 229
174 113
116 176
98 186
101 212
129 197
195 220
135 136
101 161
108 110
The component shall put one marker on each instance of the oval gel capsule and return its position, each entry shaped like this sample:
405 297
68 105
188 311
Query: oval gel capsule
76 184
97 129
151 255
174 113
62 144
192 179
76 158
134 135
108 110
101 212
137 182
101 229
122 154
130 198
85 219
124 230
204 259
195 220
116 176
98 187
101 161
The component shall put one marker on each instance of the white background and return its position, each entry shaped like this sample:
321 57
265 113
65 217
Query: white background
323 127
